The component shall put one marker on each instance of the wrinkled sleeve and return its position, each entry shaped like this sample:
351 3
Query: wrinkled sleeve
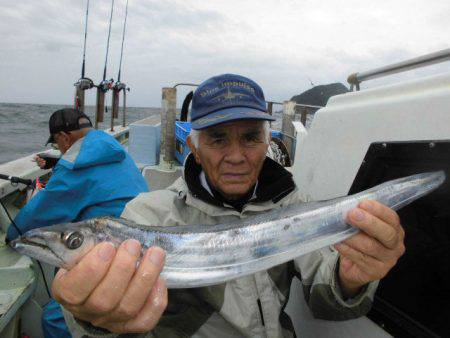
60 201
319 275
79 329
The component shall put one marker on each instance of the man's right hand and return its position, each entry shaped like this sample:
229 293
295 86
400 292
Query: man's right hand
107 289
40 162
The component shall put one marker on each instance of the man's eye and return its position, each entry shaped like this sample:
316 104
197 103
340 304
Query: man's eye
218 141
252 138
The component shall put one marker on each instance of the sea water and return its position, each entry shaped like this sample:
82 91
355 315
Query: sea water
24 127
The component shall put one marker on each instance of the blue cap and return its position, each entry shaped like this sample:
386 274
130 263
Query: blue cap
226 98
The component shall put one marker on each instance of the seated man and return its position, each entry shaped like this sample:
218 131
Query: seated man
94 177
226 178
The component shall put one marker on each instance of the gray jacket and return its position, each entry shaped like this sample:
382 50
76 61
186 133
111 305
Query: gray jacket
248 306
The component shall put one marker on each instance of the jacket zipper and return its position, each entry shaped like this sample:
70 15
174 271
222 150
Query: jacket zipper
261 312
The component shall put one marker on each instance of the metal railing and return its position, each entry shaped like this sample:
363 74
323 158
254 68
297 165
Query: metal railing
306 108
425 60
296 104
186 84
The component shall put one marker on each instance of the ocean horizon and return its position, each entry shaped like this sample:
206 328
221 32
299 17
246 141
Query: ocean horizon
24 126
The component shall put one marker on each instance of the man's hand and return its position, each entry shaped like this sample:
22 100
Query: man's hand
370 254
107 289
40 161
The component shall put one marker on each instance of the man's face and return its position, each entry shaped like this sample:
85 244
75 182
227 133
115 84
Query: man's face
232 155
62 141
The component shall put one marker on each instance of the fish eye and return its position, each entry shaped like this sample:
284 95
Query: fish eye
73 240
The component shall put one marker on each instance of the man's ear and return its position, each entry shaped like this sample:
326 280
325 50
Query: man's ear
66 136
70 138
193 149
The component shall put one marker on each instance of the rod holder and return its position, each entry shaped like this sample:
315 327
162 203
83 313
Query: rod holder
115 103
100 107
124 108
79 99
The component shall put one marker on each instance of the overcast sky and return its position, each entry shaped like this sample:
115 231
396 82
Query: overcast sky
281 44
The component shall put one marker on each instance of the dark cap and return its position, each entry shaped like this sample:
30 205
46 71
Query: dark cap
66 120
225 98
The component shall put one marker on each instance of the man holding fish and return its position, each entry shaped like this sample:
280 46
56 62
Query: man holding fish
226 178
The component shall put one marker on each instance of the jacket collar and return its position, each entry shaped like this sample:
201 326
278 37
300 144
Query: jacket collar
274 183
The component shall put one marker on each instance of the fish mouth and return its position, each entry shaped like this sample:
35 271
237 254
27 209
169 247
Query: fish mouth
35 247
35 241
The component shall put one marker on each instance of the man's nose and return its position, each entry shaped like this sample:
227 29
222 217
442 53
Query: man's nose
235 153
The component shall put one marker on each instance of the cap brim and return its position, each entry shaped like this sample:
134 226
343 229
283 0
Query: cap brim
230 114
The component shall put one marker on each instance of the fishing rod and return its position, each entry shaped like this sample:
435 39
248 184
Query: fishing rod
123 39
120 86
105 85
83 83
16 180
20 233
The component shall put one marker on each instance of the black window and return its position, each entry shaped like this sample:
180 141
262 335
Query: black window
414 299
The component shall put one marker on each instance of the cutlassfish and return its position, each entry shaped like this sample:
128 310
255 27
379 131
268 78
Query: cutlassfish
200 255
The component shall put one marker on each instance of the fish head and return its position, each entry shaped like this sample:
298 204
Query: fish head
60 245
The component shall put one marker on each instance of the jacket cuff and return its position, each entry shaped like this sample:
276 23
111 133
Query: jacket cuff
79 328
367 291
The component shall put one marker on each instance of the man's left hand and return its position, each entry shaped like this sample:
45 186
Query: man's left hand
370 254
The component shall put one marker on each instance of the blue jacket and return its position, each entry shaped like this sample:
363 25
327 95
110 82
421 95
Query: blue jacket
95 177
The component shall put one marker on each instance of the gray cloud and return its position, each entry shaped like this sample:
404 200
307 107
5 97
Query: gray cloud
280 44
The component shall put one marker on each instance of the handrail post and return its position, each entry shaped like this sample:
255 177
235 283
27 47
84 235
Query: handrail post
270 107
287 128
270 110
303 115
168 115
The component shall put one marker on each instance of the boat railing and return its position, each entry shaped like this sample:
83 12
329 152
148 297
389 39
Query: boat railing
186 84
355 79
269 103
302 109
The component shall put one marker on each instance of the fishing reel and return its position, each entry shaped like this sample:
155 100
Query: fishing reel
120 86
84 83
106 85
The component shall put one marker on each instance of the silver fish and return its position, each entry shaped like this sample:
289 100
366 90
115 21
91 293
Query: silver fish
200 255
